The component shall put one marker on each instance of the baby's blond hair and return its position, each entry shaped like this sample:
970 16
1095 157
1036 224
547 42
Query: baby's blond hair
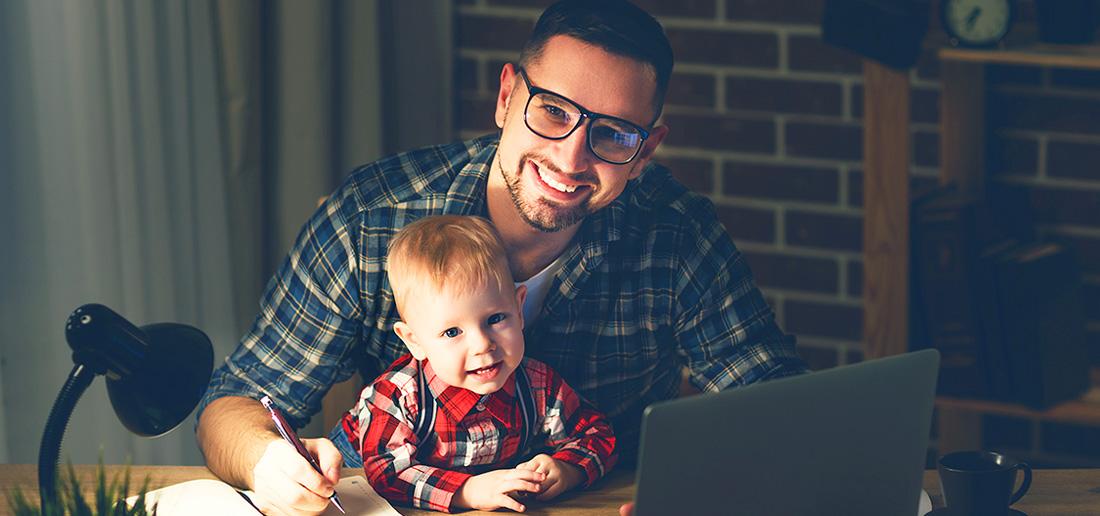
446 252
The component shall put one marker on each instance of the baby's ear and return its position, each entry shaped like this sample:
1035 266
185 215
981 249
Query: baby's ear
405 333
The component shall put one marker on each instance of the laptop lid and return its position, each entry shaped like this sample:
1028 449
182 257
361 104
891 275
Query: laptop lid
849 440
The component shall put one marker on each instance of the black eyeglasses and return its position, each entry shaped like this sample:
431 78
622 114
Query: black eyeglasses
555 117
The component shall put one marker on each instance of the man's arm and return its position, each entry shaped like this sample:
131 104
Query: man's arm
724 327
242 447
233 433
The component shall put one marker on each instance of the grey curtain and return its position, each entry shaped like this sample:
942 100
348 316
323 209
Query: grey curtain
159 157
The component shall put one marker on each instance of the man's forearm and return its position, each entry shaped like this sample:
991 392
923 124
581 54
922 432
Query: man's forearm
233 434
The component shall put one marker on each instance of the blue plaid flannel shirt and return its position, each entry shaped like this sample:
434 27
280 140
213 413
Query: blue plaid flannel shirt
651 283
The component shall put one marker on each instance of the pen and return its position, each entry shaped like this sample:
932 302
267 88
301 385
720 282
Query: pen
289 436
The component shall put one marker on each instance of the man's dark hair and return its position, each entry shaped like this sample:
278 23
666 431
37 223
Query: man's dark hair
616 26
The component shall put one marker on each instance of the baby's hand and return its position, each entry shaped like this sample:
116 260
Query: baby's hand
560 476
489 491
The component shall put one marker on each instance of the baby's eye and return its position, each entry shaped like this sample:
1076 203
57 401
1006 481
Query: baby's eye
495 318
451 333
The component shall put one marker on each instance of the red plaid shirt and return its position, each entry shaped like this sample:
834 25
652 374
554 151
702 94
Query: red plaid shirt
472 433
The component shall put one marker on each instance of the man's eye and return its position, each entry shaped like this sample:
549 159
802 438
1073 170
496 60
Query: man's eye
495 318
451 333
555 112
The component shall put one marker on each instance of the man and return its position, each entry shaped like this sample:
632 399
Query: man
630 276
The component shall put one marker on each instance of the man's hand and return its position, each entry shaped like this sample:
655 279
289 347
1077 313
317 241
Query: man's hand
560 476
489 491
285 483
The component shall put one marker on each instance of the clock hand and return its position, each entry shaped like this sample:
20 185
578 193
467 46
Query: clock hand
972 18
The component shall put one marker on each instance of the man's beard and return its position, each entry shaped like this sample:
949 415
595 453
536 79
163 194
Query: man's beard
541 214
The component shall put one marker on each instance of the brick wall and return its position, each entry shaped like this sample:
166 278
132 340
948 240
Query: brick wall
766 121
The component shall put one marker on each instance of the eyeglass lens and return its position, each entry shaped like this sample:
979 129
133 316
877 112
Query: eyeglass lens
551 116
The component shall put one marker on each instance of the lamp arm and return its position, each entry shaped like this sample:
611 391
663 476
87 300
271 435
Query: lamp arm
49 452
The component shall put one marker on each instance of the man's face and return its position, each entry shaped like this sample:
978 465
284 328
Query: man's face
473 339
554 184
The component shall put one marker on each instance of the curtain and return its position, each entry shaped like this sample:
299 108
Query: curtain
159 158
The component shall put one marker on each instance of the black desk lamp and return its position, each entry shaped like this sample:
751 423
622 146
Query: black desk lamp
156 375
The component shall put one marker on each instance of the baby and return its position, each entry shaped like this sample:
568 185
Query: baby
449 425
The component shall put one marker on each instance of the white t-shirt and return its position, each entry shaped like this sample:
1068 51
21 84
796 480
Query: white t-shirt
537 287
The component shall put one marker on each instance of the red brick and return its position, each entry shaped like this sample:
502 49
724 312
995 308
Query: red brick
1013 156
1070 78
492 32
691 89
824 230
724 47
538 4
926 149
818 359
997 75
1070 439
475 115
855 279
696 174
682 8
784 271
809 53
1085 249
1076 160
1056 206
719 132
466 75
816 140
783 96
802 12
1003 432
783 182
1092 341
1045 112
809 318
1090 300
748 223
924 104
917 185
928 64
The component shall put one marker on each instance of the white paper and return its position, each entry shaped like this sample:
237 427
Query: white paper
206 496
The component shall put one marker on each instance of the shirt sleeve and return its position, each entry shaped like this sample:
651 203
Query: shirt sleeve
724 328
580 434
309 318
383 423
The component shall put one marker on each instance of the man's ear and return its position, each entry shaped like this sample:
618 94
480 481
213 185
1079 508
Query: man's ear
521 295
405 333
655 137
504 95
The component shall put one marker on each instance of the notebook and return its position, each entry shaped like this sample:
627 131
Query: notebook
208 497
850 440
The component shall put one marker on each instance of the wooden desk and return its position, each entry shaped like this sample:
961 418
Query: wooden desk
1053 491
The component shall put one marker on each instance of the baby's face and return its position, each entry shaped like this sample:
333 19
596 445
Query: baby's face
473 339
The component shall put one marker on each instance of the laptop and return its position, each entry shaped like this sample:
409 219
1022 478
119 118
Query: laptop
851 440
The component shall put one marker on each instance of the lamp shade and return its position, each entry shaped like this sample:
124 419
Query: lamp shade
161 394
155 374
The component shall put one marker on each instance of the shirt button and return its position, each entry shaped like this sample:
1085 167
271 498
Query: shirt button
480 406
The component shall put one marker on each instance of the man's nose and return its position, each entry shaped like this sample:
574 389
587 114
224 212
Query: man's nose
571 153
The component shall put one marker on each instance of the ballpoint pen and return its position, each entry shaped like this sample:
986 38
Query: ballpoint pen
289 436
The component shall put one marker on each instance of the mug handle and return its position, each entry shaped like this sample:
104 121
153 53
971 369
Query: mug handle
1023 487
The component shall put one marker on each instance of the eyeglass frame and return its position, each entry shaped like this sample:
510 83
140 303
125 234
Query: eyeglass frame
532 91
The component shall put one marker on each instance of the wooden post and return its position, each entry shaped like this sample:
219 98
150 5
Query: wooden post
886 144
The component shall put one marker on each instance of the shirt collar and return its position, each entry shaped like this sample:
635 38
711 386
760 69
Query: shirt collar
457 402
466 196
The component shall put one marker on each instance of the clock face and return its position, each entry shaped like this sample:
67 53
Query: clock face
977 22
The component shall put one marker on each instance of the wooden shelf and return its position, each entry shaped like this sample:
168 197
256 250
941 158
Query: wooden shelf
1084 411
1062 56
